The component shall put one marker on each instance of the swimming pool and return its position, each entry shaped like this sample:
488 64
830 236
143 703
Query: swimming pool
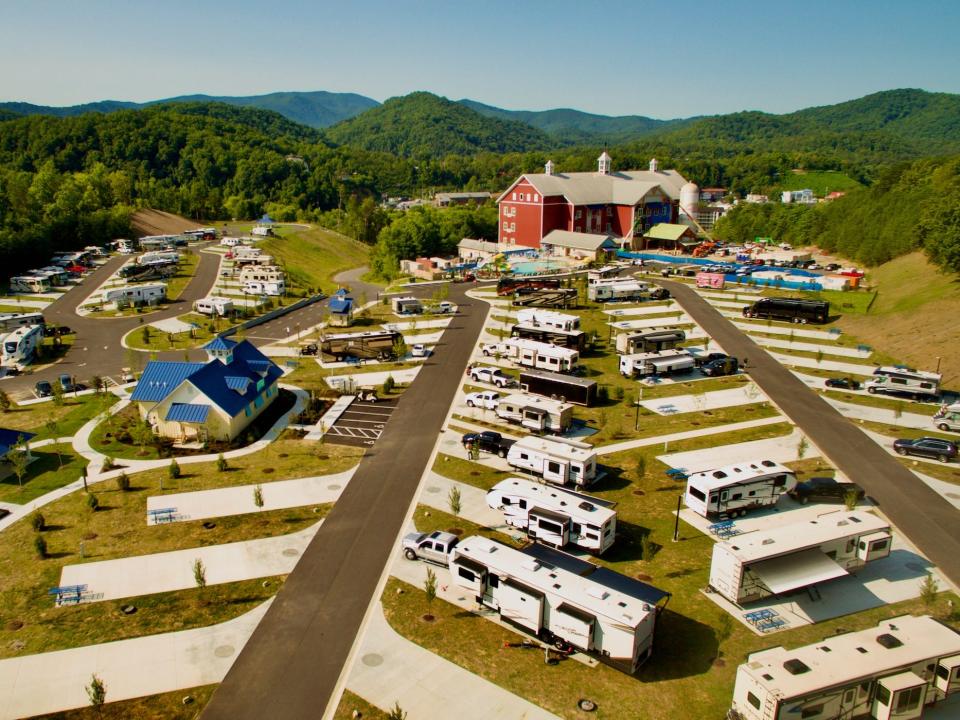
534 267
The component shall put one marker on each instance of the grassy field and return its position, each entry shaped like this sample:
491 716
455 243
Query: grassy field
189 260
69 417
47 472
350 703
820 181
161 341
311 258
169 706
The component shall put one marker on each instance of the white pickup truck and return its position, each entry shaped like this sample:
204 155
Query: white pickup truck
491 375
435 547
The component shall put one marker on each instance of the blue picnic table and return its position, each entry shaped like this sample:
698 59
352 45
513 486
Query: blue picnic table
68 593
162 515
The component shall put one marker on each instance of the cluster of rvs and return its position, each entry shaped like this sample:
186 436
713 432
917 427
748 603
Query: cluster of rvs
258 275
63 268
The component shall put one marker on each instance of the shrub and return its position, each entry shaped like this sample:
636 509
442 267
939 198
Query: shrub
389 384
603 394
123 482
174 469
108 464
618 393
40 545
92 502
221 463
37 521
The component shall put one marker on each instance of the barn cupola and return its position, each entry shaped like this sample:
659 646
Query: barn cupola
654 165
548 168
603 163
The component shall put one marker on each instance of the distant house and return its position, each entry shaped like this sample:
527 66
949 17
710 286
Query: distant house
471 250
341 309
834 195
712 194
756 199
585 246
460 198
669 236
803 197
215 400
427 268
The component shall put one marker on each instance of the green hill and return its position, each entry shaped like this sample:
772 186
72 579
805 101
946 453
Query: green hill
424 125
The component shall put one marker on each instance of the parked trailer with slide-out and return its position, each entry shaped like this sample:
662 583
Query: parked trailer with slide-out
561 462
734 489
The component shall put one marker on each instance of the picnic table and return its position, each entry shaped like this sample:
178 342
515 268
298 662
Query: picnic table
724 529
765 620
68 594
162 515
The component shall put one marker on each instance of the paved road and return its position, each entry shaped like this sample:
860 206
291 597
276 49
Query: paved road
291 666
920 513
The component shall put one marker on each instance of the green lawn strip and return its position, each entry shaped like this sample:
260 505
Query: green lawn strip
810 467
47 472
427 519
163 341
353 706
69 416
727 382
169 706
887 403
469 472
51 350
186 269
843 341
824 355
821 373
893 430
948 472
311 258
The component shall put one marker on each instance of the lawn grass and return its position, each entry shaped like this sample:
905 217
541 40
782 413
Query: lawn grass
948 472
162 341
427 519
69 417
46 473
169 706
351 703
311 258
898 431
186 269
882 401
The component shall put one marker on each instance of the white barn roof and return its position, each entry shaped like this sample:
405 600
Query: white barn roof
618 188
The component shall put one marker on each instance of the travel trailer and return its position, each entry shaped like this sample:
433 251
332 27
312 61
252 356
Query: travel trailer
214 306
232 241
656 363
20 345
904 380
651 340
29 284
159 257
734 489
255 287
561 599
366 345
621 291
576 339
135 295
12 321
535 413
534 354
561 462
406 305
572 389
888 672
548 318
555 516
790 557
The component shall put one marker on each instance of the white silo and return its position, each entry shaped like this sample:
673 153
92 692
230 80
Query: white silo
689 200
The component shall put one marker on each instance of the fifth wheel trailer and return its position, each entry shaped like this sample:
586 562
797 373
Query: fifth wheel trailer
575 339
561 599
548 318
576 390
656 363
534 354
733 489
790 557
893 670
651 340
536 413
561 462
555 516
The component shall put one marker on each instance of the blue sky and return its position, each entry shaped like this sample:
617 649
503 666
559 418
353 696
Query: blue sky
658 58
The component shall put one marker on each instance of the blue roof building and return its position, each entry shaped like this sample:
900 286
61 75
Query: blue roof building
340 307
215 400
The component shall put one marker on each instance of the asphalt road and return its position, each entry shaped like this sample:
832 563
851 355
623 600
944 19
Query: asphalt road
290 667
930 523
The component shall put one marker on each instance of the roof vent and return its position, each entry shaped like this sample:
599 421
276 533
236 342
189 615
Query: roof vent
889 641
586 506
796 667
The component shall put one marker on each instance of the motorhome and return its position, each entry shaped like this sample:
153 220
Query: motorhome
605 274
555 516
621 291
557 461
798 311
511 285
561 599
159 257
734 489
576 339
572 389
20 346
948 418
534 354
366 345
231 241
56 275
135 295
650 340
29 284
793 556
406 305
904 380
667 362
12 321
536 413
888 672
257 280
548 318
214 306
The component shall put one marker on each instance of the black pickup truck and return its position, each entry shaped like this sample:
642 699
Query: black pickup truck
488 441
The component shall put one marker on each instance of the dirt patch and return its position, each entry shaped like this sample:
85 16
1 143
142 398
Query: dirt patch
157 222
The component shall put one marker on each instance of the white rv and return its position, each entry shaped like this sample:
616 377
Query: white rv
656 363
231 241
902 380
214 306
12 321
595 610
555 516
135 295
29 284
734 489
406 305
649 340
548 318
888 672
159 257
56 275
20 345
790 557
536 413
534 354
620 291
562 462
259 280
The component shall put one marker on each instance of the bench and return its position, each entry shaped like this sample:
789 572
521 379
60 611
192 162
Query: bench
68 593
676 473
769 624
162 515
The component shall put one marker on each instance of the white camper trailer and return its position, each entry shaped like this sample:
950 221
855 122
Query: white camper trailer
650 340
555 516
406 305
561 462
20 345
536 413
214 306
135 295
534 354
12 321
231 241
29 284
790 557
548 318
888 672
734 489
159 257
561 600
620 291
902 380
656 363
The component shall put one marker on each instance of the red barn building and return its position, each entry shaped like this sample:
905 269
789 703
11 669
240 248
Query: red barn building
622 204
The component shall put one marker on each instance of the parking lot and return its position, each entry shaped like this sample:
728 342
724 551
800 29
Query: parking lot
361 424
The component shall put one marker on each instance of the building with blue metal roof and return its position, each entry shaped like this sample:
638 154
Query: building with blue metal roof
215 400
340 307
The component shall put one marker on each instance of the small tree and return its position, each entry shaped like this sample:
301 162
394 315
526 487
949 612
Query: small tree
108 464
174 470
221 463
145 334
123 482
430 586
396 712
19 458
802 447
96 382
92 502
850 500
897 412
454 500
819 356
4 402
40 545
57 393
928 589
399 348
388 385
53 427
258 496
142 435
199 573
640 466
97 692
37 521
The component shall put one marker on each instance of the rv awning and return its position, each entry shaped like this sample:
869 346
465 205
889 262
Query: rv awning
791 572
478 568
550 515
576 612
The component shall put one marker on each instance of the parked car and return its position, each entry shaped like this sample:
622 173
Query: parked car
659 293
720 366
43 389
435 547
66 382
843 383
419 350
928 447
709 358
492 375
445 307
825 489
488 399
489 441
831 267
310 349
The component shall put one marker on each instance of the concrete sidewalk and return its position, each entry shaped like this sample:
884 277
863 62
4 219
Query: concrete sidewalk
779 449
56 681
473 502
688 435
675 404
832 350
846 368
164 572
